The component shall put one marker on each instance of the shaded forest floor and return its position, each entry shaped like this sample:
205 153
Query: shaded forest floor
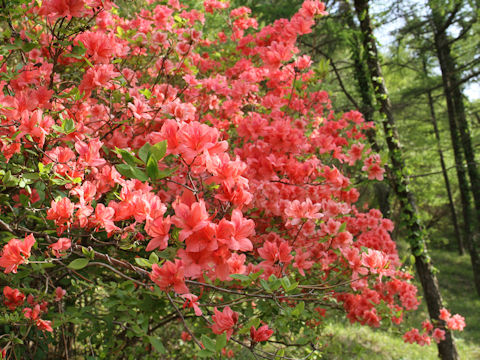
456 283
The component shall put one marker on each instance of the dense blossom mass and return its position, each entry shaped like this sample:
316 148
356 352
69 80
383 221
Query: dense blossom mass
209 163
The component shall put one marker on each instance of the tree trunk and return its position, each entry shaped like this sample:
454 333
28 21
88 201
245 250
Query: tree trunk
446 348
458 125
367 108
458 236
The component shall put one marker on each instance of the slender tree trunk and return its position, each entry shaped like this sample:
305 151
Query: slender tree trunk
367 108
458 236
446 348
382 190
464 128
457 122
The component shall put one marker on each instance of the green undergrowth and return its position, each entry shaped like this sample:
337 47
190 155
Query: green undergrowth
360 342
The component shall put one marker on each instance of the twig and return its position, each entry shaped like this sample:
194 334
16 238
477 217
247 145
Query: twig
184 322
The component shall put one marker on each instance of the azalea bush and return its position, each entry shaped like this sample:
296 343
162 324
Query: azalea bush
174 181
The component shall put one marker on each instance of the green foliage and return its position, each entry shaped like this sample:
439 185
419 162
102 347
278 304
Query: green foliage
267 11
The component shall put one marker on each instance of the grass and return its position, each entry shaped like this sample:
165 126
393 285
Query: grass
361 342
455 278
456 284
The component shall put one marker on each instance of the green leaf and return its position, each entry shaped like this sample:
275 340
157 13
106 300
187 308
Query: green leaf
178 19
204 353
47 265
280 354
89 254
274 282
256 275
157 344
89 63
292 287
139 174
131 172
144 152
14 136
11 46
48 168
24 200
246 328
57 128
159 150
240 277
7 177
285 281
298 309
68 126
412 259
152 168
78 49
120 31
78 264
265 285
126 156
147 93
125 170
221 342
31 176
208 343
162 174
60 181
153 258
143 262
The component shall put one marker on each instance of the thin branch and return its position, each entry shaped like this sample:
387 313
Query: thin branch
118 272
184 322
337 73
437 171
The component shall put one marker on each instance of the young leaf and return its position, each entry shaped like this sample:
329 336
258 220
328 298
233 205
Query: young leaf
68 126
143 262
153 258
162 174
221 342
285 282
159 150
256 275
240 277
208 343
152 168
298 309
125 170
157 344
246 328
126 156
78 264
144 152
139 174
265 285
204 353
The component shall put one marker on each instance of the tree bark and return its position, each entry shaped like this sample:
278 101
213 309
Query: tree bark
367 108
446 348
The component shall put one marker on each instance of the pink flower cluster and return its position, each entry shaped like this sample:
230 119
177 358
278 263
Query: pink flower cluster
13 298
455 322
